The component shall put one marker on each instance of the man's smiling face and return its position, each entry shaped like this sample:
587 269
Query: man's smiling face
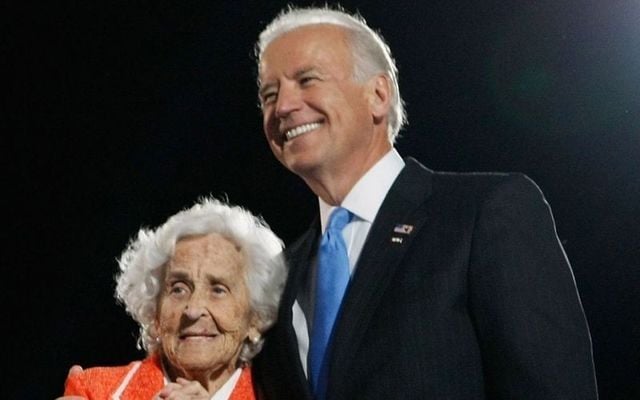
316 117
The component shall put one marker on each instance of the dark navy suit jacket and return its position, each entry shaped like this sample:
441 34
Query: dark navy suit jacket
477 301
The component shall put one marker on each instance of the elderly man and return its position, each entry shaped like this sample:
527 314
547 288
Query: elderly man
411 284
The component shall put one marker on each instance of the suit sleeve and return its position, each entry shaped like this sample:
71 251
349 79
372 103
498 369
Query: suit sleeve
532 332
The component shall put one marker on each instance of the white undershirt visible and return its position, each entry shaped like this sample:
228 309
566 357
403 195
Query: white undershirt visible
225 391
363 201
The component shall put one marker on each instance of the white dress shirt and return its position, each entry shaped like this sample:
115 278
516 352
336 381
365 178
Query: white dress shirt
363 201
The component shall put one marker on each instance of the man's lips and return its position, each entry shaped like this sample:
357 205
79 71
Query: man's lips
300 130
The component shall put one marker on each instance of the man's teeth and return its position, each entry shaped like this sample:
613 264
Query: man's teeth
299 130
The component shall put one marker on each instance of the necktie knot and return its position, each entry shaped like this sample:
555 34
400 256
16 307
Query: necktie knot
339 218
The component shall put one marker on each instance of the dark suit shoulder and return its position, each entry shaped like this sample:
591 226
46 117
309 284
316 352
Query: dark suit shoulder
472 179
484 184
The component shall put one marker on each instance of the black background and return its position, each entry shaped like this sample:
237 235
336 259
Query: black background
118 114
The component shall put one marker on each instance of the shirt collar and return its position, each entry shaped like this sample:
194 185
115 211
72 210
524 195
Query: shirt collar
366 196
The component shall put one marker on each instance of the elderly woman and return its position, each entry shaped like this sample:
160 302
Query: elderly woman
203 287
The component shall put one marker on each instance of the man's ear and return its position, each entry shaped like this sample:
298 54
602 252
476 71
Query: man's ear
380 96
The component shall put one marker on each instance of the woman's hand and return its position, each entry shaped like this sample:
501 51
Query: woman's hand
76 369
184 389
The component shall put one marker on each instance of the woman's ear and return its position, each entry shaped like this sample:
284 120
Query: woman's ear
253 335
154 330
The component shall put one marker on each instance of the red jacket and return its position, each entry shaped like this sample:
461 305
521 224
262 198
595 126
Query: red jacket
140 380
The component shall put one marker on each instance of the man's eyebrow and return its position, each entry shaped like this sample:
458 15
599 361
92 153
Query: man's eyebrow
303 71
296 75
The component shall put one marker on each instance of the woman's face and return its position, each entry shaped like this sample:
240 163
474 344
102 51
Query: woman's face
203 308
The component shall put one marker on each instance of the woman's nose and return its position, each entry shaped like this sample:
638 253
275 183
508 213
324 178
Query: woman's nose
193 312
195 307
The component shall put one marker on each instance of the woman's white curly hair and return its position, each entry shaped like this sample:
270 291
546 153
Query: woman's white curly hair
143 262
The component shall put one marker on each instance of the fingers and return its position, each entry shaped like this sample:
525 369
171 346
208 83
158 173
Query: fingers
75 370
184 389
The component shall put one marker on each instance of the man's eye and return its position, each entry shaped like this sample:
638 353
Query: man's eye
268 98
306 79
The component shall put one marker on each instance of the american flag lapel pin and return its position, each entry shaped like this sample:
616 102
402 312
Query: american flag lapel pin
401 229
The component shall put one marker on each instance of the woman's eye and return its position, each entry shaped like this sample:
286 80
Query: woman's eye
219 290
178 289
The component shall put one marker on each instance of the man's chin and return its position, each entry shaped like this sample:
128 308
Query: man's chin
300 166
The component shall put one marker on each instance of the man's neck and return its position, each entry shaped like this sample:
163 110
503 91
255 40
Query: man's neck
333 186
332 189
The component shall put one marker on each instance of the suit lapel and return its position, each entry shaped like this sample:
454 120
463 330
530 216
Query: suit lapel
382 254
300 256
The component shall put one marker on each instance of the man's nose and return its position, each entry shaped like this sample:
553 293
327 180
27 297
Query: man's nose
289 100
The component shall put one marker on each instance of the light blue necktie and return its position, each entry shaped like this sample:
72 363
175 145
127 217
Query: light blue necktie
332 278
